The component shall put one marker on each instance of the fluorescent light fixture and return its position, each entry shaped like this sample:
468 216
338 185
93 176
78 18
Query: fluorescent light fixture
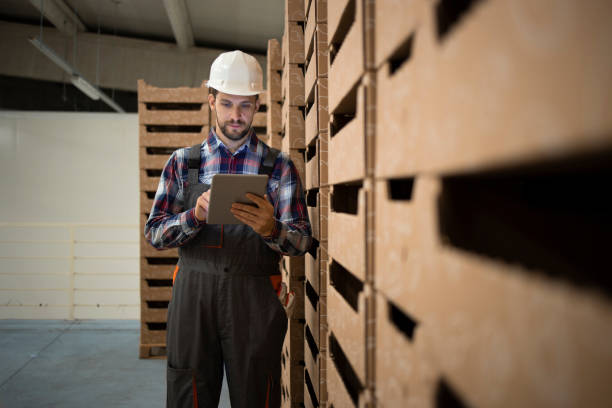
75 77
85 87
59 61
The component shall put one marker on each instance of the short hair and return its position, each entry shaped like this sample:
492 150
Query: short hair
214 93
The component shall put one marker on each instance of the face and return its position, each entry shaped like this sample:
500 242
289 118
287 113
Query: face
234 113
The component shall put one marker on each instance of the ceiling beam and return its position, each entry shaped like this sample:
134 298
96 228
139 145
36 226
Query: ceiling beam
180 22
122 61
62 16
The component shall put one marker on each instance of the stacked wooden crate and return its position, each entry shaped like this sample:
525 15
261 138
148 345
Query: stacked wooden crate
350 295
493 145
169 118
317 199
292 144
463 217
260 120
274 71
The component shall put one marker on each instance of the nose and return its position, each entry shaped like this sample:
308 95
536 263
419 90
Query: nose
235 113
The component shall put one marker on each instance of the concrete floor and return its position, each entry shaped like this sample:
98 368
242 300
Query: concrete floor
92 363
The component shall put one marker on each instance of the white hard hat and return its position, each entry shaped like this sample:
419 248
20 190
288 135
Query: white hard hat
236 73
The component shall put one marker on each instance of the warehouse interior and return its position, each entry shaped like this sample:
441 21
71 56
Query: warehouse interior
453 156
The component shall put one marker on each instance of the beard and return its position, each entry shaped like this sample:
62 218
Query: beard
235 134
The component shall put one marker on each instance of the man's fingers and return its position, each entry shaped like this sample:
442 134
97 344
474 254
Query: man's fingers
244 219
260 201
252 221
202 203
246 208
245 214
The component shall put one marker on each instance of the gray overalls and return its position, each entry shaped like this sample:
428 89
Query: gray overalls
224 310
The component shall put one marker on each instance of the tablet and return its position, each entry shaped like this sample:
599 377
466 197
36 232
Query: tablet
227 189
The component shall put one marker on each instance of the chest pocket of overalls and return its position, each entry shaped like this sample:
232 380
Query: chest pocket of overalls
211 236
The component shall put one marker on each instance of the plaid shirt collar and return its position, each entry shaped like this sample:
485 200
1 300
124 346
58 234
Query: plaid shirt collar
215 143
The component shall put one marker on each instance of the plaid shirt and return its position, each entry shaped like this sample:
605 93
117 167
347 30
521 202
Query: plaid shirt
170 224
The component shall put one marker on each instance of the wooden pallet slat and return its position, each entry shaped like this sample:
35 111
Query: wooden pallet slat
348 140
293 44
292 91
293 127
153 94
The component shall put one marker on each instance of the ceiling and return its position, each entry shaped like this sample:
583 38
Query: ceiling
225 24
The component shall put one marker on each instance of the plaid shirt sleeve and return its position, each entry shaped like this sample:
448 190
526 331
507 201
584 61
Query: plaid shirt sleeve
292 234
169 224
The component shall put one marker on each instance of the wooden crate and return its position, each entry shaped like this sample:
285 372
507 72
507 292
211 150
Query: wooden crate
150 136
405 374
293 267
317 56
292 80
316 269
275 140
347 228
155 157
505 97
324 196
346 315
395 23
153 333
346 48
274 118
294 11
349 152
152 94
317 114
293 127
312 200
323 159
316 317
472 305
293 44
340 378
275 85
312 165
274 58
174 117
293 346
315 387
169 118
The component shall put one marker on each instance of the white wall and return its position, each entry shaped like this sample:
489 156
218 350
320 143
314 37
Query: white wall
69 225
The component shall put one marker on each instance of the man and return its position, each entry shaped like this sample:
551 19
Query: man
224 310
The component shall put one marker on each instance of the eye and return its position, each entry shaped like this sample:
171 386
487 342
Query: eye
246 105
225 104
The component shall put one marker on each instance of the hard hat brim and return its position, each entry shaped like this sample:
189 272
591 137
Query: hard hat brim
231 91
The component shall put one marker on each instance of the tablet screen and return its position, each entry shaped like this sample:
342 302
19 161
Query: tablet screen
227 189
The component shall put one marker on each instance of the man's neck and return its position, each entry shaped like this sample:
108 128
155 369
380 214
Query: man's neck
232 145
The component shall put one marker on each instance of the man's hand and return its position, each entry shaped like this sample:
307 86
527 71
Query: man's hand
201 207
260 218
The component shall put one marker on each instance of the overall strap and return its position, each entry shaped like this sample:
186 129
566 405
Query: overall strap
194 164
267 165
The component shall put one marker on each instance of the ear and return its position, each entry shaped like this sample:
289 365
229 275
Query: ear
257 103
211 101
